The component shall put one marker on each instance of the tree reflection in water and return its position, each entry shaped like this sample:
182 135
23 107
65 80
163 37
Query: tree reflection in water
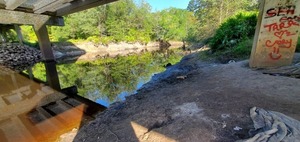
111 79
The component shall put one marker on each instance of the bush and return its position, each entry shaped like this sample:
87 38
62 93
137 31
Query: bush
234 30
241 51
94 39
298 45
29 34
105 40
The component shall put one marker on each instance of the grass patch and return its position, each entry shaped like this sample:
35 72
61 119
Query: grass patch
239 52
206 55
243 49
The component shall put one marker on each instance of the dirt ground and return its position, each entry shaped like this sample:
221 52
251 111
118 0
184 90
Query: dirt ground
195 101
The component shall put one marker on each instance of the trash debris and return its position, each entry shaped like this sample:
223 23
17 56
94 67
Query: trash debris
231 61
181 77
224 116
289 71
224 125
237 128
271 126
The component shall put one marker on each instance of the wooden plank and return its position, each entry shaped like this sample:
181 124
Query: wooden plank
80 5
44 42
50 64
54 9
13 4
52 5
2 2
52 75
19 33
42 4
276 40
17 17
30 73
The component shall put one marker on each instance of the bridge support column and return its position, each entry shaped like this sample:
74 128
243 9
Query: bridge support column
276 33
48 56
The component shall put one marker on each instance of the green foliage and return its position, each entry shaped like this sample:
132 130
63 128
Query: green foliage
211 13
298 45
119 21
241 51
29 34
234 30
174 24
94 39
133 21
58 34
8 34
39 71
128 20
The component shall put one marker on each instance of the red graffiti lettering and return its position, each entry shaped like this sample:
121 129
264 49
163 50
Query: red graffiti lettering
286 19
281 43
271 13
281 29
280 11
281 33
282 25
275 54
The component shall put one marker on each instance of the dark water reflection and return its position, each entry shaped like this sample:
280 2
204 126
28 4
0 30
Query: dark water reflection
111 79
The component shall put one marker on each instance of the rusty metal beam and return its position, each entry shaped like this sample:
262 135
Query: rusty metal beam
16 17
80 5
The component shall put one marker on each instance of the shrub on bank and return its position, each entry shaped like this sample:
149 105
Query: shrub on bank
298 45
234 38
233 31
241 51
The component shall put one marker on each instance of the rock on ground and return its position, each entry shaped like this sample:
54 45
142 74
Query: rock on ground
18 57
211 104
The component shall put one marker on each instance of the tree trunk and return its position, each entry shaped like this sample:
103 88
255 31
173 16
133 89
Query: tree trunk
221 12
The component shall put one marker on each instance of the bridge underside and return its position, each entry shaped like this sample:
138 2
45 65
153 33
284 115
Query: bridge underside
39 14
29 107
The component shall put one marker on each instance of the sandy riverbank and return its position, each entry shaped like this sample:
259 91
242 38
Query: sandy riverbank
90 51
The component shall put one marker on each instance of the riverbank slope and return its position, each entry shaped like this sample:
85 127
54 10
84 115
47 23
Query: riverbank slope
195 101
92 51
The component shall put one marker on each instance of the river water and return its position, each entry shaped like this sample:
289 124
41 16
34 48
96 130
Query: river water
108 80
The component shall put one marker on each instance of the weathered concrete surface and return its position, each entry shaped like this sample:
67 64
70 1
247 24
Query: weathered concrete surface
276 33
206 106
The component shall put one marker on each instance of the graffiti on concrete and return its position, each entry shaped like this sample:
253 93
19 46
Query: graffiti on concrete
282 35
